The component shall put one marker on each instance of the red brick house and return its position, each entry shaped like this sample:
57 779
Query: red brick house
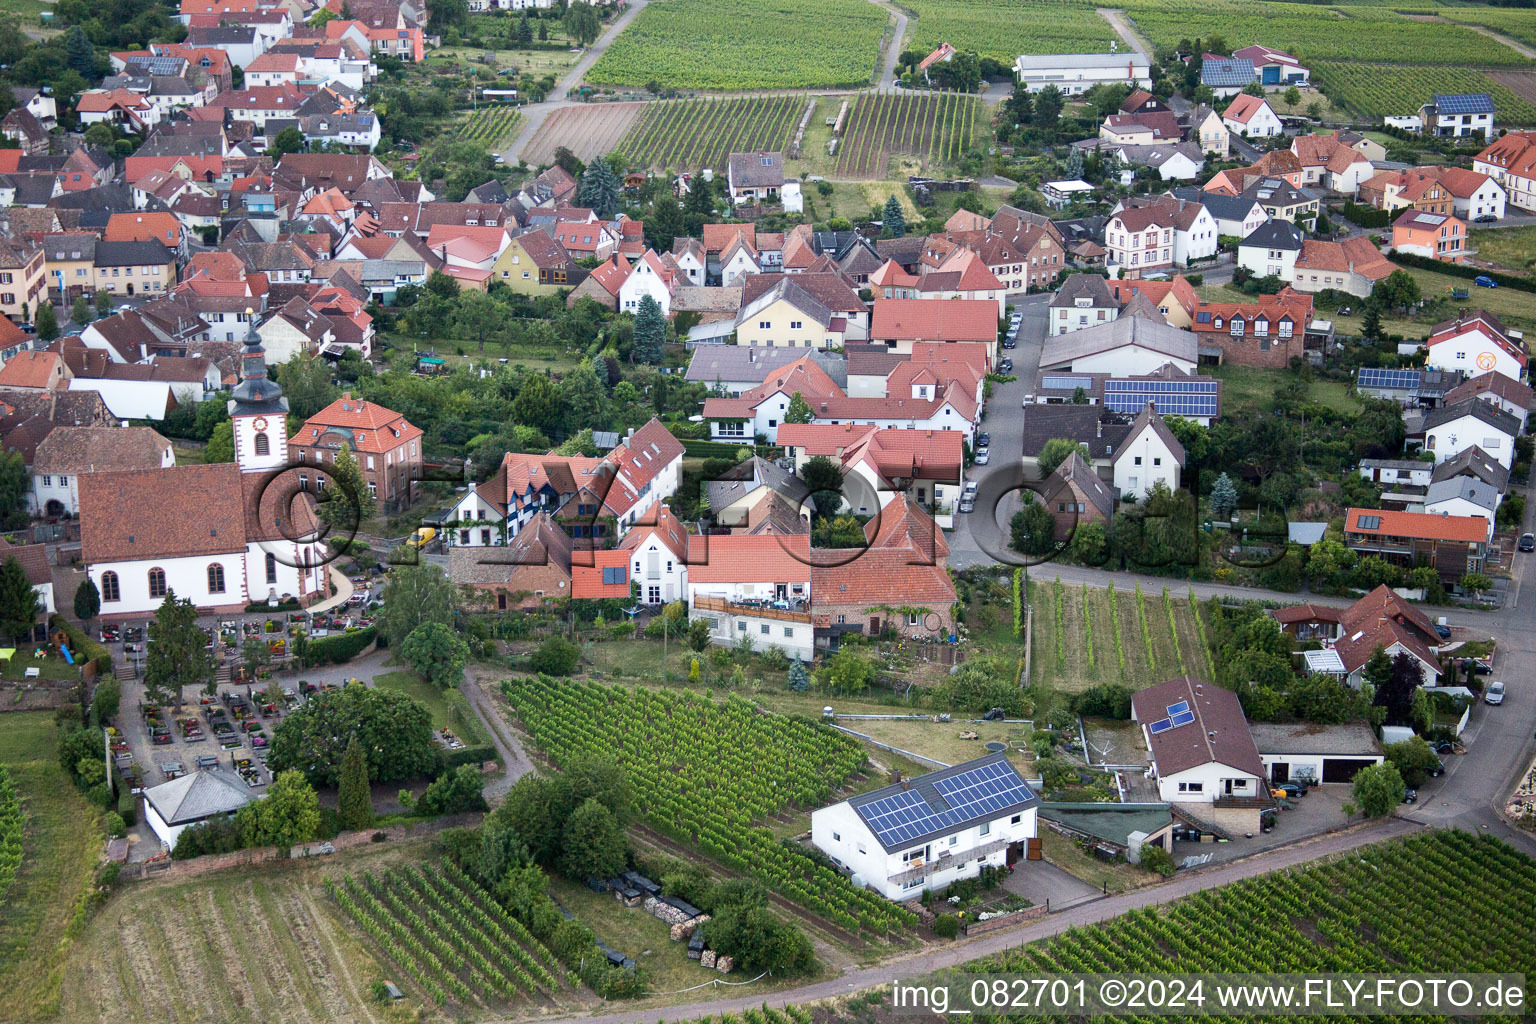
386 445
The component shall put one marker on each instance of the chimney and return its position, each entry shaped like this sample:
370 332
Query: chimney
906 784
1098 428
895 776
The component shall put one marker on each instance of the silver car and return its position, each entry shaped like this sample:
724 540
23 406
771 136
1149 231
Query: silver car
1494 694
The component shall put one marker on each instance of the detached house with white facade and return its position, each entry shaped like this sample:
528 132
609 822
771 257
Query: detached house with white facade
931 831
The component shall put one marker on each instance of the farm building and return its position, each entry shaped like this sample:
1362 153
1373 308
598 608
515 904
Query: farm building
1322 753
1113 830
1075 73
199 796
931 831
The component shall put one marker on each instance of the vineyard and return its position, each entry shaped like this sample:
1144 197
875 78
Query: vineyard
739 44
1383 908
450 935
1373 89
490 126
692 134
1517 23
710 772
1317 33
1084 636
10 832
934 127
1003 29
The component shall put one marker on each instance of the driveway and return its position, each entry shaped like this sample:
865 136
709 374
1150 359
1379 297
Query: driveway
1046 885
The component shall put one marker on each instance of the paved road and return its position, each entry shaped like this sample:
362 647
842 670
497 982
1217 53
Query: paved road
1126 31
934 958
893 49
534 114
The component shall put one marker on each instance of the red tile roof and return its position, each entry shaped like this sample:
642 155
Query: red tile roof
368 426
1418 525
934 320
744 559
587 568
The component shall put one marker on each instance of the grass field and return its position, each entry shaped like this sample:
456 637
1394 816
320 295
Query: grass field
261 944
1511 248
449 708
737 44
61 848
1250 389
1077 648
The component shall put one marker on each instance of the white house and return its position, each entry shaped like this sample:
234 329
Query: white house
1203 757
1127 346
1271 250
1155 235
1322 753
753 589
69 452
1075 73
932 831
1082 301
649 276
1392 472
1511 162
1451 429
1456 114
1252 117
1463 496
658 552
1475 343
1149 455
174 806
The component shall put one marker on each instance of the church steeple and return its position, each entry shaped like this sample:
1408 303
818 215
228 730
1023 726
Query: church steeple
258 410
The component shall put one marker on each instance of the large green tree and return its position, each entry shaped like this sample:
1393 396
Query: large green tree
1031 531
346 501
1378 789
287 815
47 322
87 601
1056 451
582 23
599 190
1414 760
306 380
650 331
415 594
354 798
799 410
454 791
1396 696
79 54
178 652
19 603
14 485
394 730
592 843
893 221
437 653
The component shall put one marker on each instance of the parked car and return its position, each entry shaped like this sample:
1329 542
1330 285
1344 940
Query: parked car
1481 668
1005 365
1484 281
968 503
1410 796
1494 694
1290 790
983 456
1528 542
1486 218
983 439
1442 631
28 328
1010 342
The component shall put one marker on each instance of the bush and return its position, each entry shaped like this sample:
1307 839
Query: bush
947 926
335 650
1106 700
557 656
115 825
1158 860
468 755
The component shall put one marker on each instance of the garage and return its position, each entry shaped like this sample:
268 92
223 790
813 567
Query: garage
1343 769
1307 752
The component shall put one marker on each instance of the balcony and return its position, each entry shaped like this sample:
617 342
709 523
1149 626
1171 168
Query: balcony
946 859
799 611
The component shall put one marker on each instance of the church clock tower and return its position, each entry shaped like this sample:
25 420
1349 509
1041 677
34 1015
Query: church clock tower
258 411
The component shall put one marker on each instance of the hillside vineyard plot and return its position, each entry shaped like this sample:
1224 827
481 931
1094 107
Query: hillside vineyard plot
708 772
1353 914
1373 89
1003 29
935 127
684 135
744 44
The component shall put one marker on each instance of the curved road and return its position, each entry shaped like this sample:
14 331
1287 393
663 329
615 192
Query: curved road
893 51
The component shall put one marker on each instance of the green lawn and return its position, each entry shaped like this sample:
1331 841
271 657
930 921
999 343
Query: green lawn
1511 248
454 352
449 708
48 666
61 848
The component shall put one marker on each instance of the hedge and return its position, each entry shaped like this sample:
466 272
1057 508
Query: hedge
725 449
333 650
83 647
1408 259
468 755
1367 216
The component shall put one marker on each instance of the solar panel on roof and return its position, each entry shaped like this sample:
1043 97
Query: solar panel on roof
1159 726
1179 708
1173 397
1375 377
1464 103
1182 718
1067 383
906 815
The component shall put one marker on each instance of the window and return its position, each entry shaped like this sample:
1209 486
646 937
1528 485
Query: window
986 828
109 588
912 618
741 627
1368 522
263 445
271 567
615 575
63 481
1016 819
763 629
215 578
1138 460
1191 787
157 583
47 481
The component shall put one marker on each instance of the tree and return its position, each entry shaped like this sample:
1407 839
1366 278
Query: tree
1370 324
221 446
306 381
799 410
414 594
454 792
346 500
321 17
87 601
849 671
698 638
599 190
758 941
254 656
1292 96
289 140
80 312
1223 497
650 331
107 699
1378 789
601 777
1398 290
585 398
394 731
568 162
442 14
1396 693
582 23
354 799
79 54
288 815
1075 163
178 655
524 33
14 486
799 680
592 844
1475 583
824 479
1056 451
556 656
1032 530
535 810
538 404
1414 760
477 316
1253 89
437 653
47 321
1021 104
894 222
1048 104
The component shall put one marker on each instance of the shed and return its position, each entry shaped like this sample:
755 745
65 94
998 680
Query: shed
1324 753
173 806
1117 826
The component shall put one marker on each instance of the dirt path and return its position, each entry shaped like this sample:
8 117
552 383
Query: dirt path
933 958
507 745
1518 47
1128 32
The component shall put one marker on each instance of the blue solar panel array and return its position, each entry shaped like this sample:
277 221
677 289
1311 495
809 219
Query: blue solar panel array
1067 383
904 816
1173 397
1464 103
1375 377
1178 714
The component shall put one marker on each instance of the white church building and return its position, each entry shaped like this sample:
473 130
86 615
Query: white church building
223 536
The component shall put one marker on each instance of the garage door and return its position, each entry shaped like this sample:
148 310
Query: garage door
1342 769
